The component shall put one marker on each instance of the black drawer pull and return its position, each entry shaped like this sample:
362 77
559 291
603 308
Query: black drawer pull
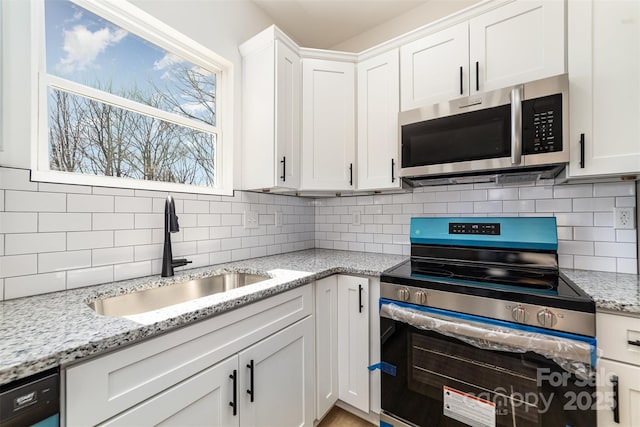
284 169
360 299
582 151
250 391
616 407
234 402
461 87
350 173
393 166
477 76
636 343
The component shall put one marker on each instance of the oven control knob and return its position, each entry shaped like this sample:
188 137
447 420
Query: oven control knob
403 294
519 314
546 318
421 297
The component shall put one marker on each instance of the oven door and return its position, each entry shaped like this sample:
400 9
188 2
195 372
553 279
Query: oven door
431 379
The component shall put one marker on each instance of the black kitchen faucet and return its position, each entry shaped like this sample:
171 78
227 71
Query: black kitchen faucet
170 226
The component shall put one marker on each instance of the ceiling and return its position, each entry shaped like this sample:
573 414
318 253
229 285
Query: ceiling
324 23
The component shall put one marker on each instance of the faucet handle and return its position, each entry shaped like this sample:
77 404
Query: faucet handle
180 262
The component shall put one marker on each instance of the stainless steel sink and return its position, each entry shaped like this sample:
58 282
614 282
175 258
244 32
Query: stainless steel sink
164 296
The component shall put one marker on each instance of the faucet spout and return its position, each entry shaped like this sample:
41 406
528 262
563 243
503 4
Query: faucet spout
170 226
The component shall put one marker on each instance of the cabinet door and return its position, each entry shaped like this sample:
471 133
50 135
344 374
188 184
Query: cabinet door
353 341
628 394
277 379
516 43
435 68
328 125
604 76
202 400
378 98
326 344
288 87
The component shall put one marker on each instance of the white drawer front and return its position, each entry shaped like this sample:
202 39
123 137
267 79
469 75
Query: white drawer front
108 385
618 337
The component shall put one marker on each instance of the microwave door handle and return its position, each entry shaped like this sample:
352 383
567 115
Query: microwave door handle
516 125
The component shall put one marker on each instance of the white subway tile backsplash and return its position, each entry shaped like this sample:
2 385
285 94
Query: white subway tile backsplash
625 202
147 252
628 236
62 261
18 222
602 204
29 201
602 234
17 287
29 243
594 263
18 265
132 237
89 203
502 194
582 219
63 188
111 256
133 204
89 240
109 191
618 250
519 206
64 222
1 200
459 207
627 265
153 220
572 191
572 247
89 276
449 196
614 189
16 179
131 270
112 221
494 206
536 193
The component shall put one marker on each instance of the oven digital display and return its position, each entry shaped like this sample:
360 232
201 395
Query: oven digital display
474 228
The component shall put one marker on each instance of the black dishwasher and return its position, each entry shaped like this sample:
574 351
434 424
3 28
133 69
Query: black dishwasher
32 401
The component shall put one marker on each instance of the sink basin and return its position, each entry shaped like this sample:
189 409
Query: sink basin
164 296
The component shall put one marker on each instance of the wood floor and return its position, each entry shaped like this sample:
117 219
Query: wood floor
338 417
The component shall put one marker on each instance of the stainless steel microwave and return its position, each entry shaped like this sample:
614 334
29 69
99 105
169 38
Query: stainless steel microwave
521 130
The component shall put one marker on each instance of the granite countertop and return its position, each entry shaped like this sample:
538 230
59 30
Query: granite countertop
44 331
611 291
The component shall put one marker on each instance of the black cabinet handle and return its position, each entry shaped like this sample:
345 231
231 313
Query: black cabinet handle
461 88
234 402
393 167
477 75
360 299
582 150
284 168
615 408
250 391
350 173
636 343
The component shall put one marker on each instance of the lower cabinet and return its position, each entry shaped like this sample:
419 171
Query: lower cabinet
253 366
618 370
342 342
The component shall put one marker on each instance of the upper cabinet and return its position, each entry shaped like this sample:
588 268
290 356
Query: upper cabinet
328 125
514 43
435 68
271 113
378 107
604 75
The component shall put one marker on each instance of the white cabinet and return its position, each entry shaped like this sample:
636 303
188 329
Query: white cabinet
353 341
202 400
145 378
326 316
435 68
271 84
276 377
619 340
378 107
343 343
604 76
515 43
328 125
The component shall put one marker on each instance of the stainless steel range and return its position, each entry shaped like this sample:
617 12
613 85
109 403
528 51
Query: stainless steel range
480 328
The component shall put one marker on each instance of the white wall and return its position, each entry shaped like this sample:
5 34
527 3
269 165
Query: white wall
429 12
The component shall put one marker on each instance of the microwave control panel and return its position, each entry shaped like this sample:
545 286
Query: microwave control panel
542 125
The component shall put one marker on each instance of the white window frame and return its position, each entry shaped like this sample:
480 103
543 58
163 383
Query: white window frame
137 22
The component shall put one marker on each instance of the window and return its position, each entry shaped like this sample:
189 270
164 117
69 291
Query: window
126 101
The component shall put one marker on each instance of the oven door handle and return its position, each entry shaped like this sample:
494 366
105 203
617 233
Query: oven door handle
516 125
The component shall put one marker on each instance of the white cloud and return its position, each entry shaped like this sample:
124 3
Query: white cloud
82 46
167 61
